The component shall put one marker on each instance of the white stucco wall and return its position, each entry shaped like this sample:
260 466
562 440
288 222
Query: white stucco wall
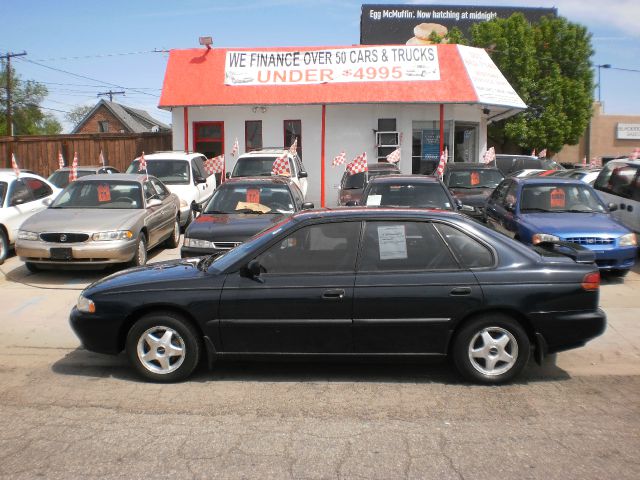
348 127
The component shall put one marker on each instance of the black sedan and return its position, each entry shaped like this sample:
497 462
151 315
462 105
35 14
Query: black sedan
472 183
409 191
238 209
361 282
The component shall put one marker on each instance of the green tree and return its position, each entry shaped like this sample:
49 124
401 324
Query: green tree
77 114
27 115
549 65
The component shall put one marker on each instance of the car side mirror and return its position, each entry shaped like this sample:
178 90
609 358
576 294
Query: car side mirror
510 207
252 270
154 202
227 175
612 207
458 204
308 206
303 175
352 203
198 180
196 207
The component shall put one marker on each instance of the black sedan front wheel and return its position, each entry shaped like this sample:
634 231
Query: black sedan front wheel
163 347
491 349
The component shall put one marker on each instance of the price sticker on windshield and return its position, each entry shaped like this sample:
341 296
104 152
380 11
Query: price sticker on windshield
104 193
475 178
557 198
253 195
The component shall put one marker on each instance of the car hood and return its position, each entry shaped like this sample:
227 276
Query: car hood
574 224
234 227
476 197
161 275
82 220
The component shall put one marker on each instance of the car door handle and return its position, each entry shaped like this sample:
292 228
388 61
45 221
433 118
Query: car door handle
461 291
333 294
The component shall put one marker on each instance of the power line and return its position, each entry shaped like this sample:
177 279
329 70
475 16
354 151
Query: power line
88 78
99 55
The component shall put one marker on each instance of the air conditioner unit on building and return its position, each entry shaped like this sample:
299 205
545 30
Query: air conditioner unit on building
387 139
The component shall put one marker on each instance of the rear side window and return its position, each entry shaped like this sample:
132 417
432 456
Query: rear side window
621 180
404 246
38 187
469 251
20 194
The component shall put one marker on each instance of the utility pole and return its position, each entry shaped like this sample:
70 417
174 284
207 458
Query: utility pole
8 57
109 94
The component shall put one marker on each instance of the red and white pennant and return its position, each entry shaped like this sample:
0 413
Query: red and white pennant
442 163
73 173
358 164
281 166
14 165
339 159
214 165
394 157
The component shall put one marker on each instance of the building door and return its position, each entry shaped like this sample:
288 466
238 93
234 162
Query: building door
208 139
465 142
425 152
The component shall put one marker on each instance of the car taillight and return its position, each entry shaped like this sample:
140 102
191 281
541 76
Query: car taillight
591 281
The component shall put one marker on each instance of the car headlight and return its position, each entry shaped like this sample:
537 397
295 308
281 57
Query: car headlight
85 305
113 235
26 235
197 243
543 237
628 240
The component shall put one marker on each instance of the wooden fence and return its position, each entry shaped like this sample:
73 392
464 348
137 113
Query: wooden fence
40 153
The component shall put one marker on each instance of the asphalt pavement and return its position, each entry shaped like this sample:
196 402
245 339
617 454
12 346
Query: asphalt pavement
68 413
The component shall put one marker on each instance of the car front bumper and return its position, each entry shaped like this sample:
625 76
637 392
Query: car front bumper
619 258
85 253
97 333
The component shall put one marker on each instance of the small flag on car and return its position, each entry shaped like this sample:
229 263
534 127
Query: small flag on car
533 152
442 163
394 157
281 166
293 149
101 159
635 154
236 148
214 165
339 159
489 155
143 164
60 160
543 153
14 165
73 173
358 164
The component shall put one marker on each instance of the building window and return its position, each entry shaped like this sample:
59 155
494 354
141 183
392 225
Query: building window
103 126
208 139
293 131
386 141
252 135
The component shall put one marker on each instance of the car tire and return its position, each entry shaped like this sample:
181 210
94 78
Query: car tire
32 267
4 246
491 349
140 257
174 239
163 347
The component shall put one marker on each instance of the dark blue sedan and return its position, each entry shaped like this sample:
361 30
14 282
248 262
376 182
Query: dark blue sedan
536 210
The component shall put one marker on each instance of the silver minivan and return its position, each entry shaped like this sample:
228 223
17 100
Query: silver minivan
619 183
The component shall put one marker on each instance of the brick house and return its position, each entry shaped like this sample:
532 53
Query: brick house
111 117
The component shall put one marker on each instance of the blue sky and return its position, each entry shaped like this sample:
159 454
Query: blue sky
111 45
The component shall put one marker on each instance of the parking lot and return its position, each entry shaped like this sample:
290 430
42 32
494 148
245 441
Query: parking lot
69 413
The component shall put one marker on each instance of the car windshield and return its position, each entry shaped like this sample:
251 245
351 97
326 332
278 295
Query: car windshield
224 261
251 199
419 195
256 166
560 198
100 194
171 172
60 178
3 192
474 178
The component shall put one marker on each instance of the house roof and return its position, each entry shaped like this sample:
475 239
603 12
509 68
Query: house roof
135 120
197 77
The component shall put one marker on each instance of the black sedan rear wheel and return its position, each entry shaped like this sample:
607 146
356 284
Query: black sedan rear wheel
163 347
491 349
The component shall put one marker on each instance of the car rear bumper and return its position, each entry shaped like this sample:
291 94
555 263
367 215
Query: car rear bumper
564 331
87 253
97 333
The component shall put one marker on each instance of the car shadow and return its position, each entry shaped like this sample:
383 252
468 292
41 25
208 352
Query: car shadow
81 362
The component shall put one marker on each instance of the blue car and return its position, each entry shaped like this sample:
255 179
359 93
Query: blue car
539 209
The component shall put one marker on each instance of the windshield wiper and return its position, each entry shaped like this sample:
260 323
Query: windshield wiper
536 210
214 211
204 263
248 210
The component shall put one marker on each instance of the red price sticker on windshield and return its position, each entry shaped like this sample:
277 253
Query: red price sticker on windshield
104 193
557 198
475 178
253 195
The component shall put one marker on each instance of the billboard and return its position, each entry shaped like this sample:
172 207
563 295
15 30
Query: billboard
412 24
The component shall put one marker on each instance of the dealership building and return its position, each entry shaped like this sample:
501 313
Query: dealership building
357 99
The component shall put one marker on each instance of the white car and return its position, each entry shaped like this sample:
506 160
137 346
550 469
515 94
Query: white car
260 163
20 197
184 174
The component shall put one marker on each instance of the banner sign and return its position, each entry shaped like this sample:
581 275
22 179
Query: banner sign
628 131
369 64
412 24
